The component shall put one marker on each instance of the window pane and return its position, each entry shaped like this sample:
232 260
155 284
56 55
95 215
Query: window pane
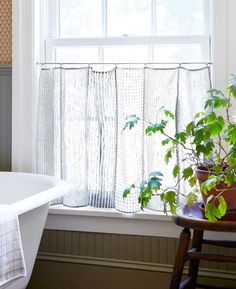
178 53
128 17
80 18
85 54
182 17
126 54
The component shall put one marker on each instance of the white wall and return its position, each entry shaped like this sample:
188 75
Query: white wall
223 41
231 37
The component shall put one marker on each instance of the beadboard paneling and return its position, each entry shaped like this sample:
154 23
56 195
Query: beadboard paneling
146 249
5 118
86 260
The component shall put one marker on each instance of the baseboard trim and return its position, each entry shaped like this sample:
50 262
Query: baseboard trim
163 268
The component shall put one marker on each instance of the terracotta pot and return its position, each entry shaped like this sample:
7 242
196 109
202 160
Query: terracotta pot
229 194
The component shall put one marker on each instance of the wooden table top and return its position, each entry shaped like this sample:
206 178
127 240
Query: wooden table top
191 217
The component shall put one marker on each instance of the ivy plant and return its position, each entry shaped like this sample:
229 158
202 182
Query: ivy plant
208 141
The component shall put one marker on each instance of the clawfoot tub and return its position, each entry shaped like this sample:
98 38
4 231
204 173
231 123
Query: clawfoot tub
29 195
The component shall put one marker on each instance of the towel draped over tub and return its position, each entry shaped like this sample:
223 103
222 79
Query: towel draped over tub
12 263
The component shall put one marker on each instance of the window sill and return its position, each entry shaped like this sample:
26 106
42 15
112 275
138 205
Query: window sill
90 219
145 223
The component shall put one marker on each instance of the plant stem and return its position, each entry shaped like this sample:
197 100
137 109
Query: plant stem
227 109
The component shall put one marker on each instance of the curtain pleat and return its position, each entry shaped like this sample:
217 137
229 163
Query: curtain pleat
101 138
80 136
160 91
192 94
74 135
130 98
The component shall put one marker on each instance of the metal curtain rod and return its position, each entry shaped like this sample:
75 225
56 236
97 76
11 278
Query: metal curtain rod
122 63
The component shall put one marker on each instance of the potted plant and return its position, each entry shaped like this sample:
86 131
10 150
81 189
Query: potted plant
208 147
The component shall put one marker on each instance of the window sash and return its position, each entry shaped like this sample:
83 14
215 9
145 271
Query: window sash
53 39
52 43
53 9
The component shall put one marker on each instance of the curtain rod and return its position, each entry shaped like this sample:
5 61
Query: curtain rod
120 63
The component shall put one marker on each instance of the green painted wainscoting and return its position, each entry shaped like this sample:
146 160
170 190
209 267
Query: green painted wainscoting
82 260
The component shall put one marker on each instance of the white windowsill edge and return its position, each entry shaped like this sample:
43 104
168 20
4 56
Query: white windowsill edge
90 219
146 214
145 223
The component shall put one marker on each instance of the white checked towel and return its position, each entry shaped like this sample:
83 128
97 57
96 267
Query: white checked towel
12 263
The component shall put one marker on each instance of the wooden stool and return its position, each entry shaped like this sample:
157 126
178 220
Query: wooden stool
191 218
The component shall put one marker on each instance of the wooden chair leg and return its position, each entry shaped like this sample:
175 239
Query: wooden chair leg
180 258
194 263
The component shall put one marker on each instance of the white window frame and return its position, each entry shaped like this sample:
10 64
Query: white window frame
53 39
27 51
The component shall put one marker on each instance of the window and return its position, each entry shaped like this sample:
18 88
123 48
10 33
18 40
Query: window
128 31
82 141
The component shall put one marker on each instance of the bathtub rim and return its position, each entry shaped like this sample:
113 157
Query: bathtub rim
58 189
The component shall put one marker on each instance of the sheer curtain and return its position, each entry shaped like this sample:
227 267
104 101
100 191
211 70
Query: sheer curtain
80 136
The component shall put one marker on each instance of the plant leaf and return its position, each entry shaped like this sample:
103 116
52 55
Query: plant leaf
191 198
190 129
153 128
181 136
217 169
192 181
211 212
169 198
127 191
143 186
232 133
154 183
210 183
168 154
131 121
165 141
232 85
222 208
215 129
198 136
155 174
208 149
187 172
216 100
176 170
211 117
169 114
144 197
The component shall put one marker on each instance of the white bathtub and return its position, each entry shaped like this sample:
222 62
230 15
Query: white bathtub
29 195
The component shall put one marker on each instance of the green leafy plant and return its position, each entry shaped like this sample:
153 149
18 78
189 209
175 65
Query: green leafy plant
208 143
